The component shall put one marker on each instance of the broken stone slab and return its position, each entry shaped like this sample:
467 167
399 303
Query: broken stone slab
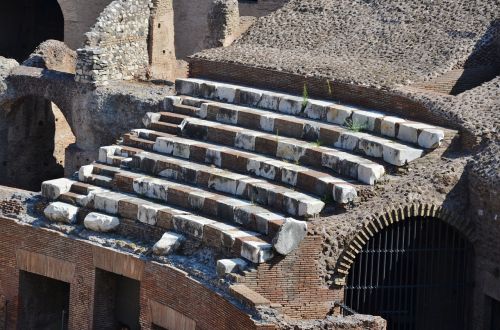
289 236
150 118
366 119
105 154
338 114
147 213
230 266
225 92
85 172
52 189
408 131
430 138
370 173
389 126
399 154
99 222
107 201
61 212
168 244
191 225
257 251
344 193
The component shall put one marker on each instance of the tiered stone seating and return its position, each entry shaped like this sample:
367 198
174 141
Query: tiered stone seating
236 168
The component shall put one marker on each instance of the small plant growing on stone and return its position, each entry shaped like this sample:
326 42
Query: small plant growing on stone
353 126
330 91
305 98
317 143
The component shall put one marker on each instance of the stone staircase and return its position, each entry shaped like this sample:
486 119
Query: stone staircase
240 169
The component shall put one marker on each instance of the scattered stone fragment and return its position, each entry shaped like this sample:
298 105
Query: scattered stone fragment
168 243
288 238
61 212
100 222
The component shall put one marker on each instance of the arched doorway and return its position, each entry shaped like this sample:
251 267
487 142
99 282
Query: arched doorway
34 135
24 24
415 274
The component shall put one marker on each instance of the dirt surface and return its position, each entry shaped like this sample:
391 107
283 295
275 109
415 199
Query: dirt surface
373 43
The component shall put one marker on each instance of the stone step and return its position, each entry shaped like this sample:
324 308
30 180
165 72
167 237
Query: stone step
302 178
225 208
423 135
292 149
315 156
243 186
109 206
171 128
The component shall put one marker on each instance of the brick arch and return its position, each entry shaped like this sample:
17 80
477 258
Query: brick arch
379 222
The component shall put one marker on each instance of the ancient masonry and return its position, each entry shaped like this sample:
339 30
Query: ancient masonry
271 164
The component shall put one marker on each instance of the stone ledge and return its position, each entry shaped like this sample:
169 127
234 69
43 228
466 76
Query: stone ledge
247 296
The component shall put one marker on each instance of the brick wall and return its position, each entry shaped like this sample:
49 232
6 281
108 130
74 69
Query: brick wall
382 100
163 284
317 88
485 213
295 282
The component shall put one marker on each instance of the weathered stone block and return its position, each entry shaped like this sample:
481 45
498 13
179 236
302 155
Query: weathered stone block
168 244
226 266
288 238
61 212
54 188
100 222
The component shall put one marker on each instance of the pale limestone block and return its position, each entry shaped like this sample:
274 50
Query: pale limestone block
52 189
344 193
389 124
289 236
227 266
430 138
168 243
61 212
99 222
338 114
257 252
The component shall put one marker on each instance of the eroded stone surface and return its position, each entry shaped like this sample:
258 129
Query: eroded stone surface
100 222
288 238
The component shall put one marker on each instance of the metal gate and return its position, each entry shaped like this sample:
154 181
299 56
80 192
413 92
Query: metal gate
415 274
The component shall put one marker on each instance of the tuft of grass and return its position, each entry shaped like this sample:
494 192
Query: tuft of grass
317 143
354 127
305 98
330 91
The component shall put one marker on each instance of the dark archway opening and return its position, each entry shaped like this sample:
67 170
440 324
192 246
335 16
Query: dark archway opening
415 274
44 302
116 301
24 24
34 135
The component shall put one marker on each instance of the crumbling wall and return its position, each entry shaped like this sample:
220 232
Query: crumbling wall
161 40
223 23
79 16
117 46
